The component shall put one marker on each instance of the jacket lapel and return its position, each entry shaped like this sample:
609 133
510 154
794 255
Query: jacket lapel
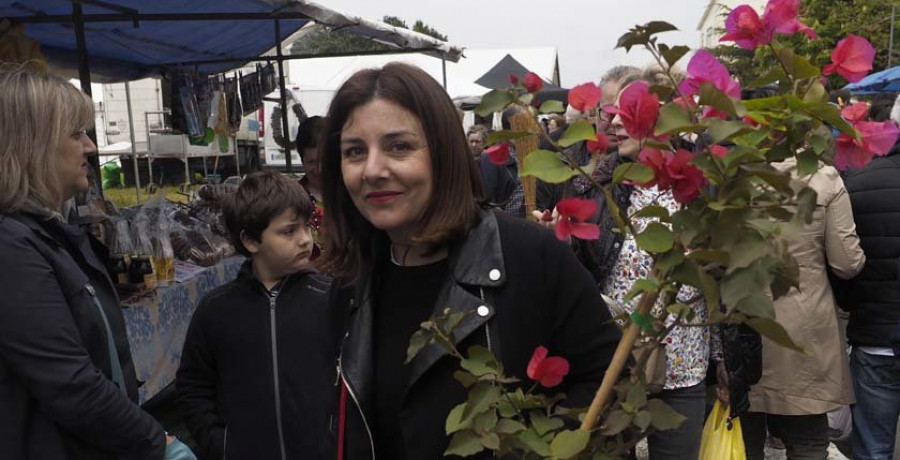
357 361
476 262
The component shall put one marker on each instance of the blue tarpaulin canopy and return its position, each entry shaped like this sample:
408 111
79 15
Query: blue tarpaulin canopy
129 39
887 80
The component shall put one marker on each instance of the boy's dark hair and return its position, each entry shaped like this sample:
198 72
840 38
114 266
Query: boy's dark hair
308 133
882 103
262 197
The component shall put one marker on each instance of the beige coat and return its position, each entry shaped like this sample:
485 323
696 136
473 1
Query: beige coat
819 381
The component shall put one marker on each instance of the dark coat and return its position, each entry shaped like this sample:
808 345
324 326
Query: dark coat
226 390
57 399
873 296
499 180
542 296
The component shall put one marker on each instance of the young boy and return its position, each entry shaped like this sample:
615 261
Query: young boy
257 369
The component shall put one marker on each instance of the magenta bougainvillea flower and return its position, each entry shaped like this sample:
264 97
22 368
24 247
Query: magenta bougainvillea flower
744 26
498 154
673 170
876 139
548 371
573 212
638 110
706 68
851 58
585 97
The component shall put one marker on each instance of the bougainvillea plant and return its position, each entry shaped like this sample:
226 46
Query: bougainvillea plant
727 240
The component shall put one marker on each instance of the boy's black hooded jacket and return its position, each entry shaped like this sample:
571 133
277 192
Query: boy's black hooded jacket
239 339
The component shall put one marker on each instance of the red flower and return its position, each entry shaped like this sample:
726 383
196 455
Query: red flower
498 154
750 121
781 18
673 171
718 150
549 372
573 212
513 79
601 144
851 58
744 27
876 139
585 97
638 110
855 113
533 82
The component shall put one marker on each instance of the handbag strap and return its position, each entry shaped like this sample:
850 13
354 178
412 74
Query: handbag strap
118 377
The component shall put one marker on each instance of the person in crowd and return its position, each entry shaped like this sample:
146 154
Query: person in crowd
476 136
68 388
257 367
881 106
873 300
797 390
556 123
839 97
406 227
308 146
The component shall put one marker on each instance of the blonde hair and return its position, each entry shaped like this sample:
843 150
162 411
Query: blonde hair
37 111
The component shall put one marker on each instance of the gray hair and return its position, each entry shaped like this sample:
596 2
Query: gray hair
37 111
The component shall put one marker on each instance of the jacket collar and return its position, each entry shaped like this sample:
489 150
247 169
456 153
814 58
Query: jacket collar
476 263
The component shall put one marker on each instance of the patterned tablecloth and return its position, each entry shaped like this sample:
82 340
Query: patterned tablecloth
157 324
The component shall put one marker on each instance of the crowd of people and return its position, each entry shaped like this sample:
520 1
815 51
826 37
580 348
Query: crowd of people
402 215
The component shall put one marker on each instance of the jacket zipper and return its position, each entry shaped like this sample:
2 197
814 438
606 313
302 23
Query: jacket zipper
356 401
273 296
225 443
115 368
487 326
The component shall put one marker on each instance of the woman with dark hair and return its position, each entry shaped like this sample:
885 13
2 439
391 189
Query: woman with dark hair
408 236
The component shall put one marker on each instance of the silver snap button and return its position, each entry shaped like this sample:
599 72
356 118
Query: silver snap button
494 275
483 311
616 245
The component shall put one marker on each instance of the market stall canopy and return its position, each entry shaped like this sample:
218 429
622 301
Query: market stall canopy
130 39
887 80
498 78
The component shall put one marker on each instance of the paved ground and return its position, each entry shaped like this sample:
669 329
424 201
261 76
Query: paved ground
771 454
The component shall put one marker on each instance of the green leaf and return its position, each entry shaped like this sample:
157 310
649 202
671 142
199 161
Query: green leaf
780 181
749 248
806 204
670 260
569 443
635 172
642 420
417 342
720 130
641 285
552 106
655 27
655 238
742 154
481 397
481 362
797 65
654 211
526 98
465 378
674 54
770 329
616 422
816 93
576 132
464 444
673 119
490 441
643 321
681 310
819 142
543 424
688 226
663 416
709 256
830 114
454 419
807 162
776 74
758 304
501 136
509 426
546 166
485 422
747 283
663 92
494 101
534 442
711 96
637 397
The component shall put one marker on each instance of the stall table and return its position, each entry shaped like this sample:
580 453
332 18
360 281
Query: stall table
157 324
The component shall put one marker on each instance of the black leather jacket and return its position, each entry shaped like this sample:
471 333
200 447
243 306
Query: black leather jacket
523 289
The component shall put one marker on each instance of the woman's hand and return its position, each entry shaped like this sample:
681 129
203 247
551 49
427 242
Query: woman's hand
722 383
546 218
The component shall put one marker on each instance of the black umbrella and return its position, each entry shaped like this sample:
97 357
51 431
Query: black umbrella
498 78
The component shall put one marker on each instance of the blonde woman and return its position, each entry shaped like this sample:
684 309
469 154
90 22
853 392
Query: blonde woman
67 382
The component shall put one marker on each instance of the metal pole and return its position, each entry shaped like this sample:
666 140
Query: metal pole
891 41
134 156
444 68
84 75
284 107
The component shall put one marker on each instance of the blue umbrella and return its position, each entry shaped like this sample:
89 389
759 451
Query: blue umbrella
885 81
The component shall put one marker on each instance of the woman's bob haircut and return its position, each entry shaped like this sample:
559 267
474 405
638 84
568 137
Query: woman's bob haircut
349 240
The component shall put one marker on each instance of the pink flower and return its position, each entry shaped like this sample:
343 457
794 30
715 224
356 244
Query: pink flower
498 154
855 113
638 110
876 139
705 68
585 97
533 82
718 150
673 170
781 18
513 79
851 58
548 371
744 27
599 145
573 212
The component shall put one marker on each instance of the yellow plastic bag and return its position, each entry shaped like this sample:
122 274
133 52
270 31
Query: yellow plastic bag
722 440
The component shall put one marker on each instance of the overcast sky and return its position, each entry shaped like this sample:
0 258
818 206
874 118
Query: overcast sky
583 31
